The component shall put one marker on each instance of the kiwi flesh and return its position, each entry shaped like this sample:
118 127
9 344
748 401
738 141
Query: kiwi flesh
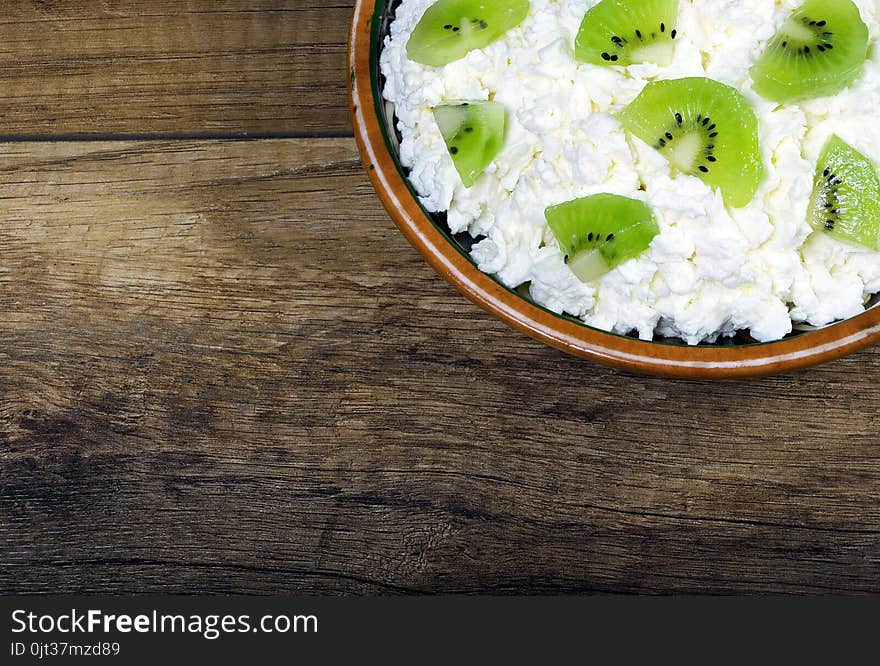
819 51
600 232
474 135
450 29
704 129
846 196
624 32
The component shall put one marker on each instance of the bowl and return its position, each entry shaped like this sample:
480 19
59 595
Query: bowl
376 135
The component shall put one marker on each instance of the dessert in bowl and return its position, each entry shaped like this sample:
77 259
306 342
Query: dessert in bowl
675 187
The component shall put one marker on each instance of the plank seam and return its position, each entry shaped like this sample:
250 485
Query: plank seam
170 136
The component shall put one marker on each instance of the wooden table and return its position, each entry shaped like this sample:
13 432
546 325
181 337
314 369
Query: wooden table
223 370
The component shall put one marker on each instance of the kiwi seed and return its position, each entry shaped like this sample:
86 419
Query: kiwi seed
701 124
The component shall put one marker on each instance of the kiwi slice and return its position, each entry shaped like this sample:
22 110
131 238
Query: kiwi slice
474 135
624 32
450 29
600 232
705 129
846 196
819 51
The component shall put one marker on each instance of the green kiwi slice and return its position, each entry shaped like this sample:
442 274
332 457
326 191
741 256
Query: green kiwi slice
450 29
705 129
846 196
624 32
600 232
819 51
474 135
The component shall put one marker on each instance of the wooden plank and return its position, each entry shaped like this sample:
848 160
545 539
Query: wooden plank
223 370
173 66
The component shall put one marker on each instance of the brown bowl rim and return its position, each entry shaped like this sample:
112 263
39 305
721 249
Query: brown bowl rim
652 358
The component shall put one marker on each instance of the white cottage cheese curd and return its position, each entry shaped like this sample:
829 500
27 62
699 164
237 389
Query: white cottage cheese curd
712 271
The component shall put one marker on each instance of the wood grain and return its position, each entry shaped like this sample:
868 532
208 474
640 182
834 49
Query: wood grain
172 67
223 370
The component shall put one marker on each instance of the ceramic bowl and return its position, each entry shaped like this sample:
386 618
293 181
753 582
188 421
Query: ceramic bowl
373 124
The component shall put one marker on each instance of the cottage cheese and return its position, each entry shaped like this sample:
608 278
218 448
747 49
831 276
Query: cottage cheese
712 271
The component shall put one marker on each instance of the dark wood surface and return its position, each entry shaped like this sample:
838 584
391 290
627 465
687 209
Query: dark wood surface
223 370
178 67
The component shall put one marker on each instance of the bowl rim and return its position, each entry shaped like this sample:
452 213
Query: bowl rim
643 357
